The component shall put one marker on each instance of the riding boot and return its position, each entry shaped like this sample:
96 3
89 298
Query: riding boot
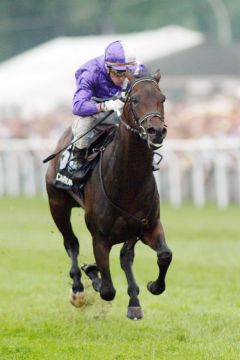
75 165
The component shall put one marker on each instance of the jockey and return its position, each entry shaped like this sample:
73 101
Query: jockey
102 77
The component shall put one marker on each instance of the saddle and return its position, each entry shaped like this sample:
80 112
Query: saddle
97 144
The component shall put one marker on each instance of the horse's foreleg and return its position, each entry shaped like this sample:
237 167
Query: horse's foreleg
126 260
61 214
156 240
101 253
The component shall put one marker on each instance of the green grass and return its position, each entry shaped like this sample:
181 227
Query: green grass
198 317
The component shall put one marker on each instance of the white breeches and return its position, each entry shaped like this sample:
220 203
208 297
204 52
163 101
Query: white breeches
83 124
80 126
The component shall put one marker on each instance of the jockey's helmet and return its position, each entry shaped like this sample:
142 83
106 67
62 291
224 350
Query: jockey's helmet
119 56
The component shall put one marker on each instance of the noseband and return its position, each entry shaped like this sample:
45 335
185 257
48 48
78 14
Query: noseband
140 130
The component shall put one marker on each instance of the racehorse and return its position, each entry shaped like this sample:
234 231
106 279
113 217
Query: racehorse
121 200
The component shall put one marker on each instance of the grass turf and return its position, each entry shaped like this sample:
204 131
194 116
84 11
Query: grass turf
198 317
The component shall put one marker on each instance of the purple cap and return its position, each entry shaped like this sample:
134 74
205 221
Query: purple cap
119 56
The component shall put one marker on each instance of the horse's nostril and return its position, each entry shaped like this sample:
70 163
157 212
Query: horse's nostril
151 131
164 131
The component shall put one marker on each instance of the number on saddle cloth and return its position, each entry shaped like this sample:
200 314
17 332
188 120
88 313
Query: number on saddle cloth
65 158
101 139
62 180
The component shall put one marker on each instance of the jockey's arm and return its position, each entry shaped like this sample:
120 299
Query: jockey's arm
82 103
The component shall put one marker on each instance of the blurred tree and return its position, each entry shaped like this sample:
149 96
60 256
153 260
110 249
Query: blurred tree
26 23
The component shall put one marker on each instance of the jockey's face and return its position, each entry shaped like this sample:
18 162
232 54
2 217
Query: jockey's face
117 77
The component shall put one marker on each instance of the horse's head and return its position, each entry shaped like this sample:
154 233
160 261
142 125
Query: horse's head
144 109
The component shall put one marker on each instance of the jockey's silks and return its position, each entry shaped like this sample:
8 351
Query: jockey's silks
93 80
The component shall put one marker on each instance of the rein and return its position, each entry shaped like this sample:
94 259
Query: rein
140 130
144 221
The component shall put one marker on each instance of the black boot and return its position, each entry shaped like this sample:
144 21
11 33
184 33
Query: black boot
75 165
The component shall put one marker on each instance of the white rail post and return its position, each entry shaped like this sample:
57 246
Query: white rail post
175 191
28 174
221 182
198 180
1 176
43 170
238 179
11 167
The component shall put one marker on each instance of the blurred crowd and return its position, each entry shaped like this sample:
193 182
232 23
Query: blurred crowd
213 116
51 125
217 116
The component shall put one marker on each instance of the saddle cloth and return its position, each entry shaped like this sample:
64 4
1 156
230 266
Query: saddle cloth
97 144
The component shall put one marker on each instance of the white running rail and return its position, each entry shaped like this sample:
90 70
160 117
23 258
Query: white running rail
200 171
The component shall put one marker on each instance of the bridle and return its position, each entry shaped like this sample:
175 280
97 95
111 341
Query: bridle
139 129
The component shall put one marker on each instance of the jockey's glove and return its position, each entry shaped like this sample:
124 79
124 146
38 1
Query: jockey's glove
113 105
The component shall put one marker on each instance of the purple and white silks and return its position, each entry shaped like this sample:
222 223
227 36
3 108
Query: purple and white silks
93 80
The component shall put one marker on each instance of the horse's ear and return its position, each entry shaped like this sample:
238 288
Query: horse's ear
157 75
130 76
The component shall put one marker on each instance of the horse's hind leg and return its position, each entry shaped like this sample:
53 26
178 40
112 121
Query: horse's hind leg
156 240
126 260
61 207
92 272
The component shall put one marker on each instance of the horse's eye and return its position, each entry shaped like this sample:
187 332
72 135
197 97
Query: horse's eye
135 101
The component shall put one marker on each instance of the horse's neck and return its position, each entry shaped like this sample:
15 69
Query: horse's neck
130 161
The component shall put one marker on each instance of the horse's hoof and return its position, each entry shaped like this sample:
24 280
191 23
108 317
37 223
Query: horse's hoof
134 312
77 299
96 284
155 290
108 295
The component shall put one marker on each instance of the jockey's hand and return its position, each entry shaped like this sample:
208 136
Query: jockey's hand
115 105
123 95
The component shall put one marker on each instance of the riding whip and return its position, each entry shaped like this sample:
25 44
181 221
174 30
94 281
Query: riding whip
50 157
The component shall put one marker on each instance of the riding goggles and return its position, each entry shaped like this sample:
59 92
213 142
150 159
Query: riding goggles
118 73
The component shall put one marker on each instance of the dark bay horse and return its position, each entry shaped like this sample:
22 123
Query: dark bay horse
121 200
